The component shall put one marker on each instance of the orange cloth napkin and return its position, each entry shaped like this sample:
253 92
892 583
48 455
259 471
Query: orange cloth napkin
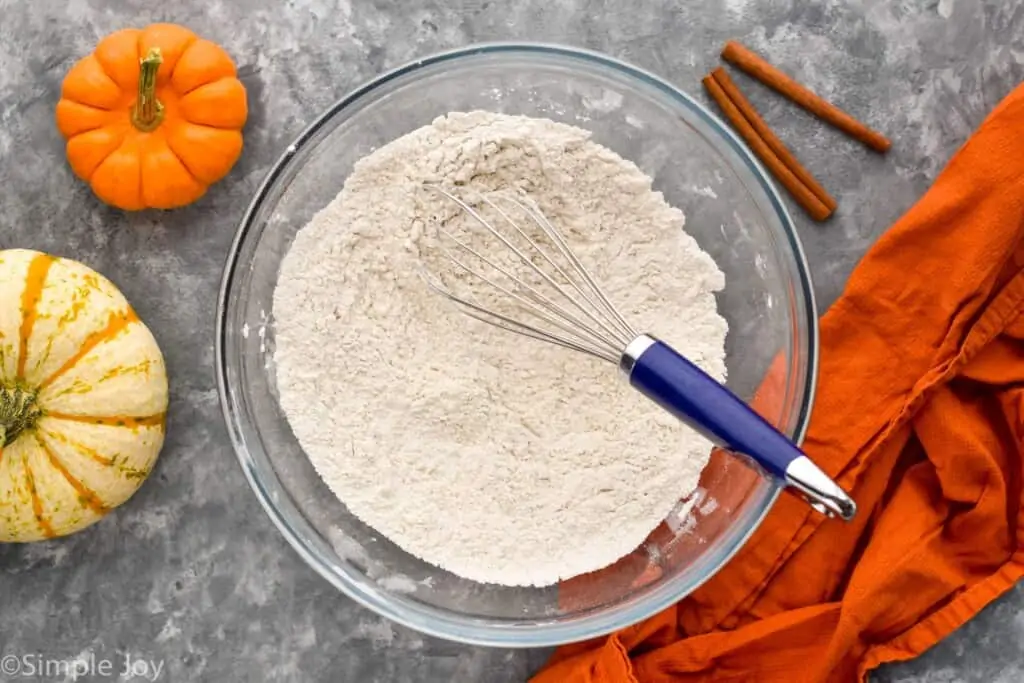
920 414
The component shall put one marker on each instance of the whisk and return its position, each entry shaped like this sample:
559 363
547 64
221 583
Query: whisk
534 285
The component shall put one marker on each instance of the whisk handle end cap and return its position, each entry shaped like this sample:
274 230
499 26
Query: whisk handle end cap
820 492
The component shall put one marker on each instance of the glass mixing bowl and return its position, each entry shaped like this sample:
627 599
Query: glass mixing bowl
731 209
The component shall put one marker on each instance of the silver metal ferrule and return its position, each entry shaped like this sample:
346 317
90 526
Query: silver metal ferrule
823 494
633 351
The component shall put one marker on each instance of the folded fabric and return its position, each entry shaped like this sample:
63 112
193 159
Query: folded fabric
920 415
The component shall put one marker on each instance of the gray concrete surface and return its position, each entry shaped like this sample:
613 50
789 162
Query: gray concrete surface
191 573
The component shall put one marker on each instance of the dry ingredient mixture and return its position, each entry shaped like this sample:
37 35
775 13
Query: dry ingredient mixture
498 458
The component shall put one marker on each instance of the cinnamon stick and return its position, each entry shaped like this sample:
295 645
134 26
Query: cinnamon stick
769 137
754 65
800 192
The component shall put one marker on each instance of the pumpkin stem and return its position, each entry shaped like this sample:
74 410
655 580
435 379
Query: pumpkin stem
18 412
148 112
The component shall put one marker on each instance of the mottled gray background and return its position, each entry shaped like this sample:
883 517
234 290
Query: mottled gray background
190 571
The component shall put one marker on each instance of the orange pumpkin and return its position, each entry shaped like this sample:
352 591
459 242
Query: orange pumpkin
152 117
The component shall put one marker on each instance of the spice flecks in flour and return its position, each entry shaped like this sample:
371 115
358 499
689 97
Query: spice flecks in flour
498 458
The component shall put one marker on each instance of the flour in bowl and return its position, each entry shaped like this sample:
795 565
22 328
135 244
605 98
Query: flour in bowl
498 458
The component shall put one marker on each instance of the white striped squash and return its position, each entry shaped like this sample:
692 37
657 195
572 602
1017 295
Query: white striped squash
83 397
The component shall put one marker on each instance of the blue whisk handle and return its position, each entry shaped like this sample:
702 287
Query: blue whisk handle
697 399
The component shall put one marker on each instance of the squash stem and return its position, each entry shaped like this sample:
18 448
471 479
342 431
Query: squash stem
148 112
18 412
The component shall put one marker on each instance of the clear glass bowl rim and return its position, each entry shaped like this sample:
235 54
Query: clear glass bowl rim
433 621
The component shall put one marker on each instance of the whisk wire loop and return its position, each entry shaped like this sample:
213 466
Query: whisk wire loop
583 317
625 329
622 333
533 308
539 301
